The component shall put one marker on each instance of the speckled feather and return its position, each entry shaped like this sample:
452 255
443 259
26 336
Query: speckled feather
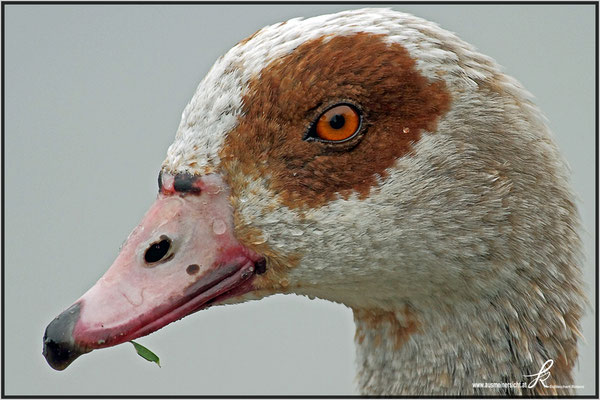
474 232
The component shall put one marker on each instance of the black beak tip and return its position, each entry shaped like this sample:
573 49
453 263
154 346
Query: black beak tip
60 349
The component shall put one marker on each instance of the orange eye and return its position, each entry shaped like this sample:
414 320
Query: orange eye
338 123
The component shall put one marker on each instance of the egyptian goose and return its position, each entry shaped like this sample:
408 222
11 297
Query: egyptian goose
373 159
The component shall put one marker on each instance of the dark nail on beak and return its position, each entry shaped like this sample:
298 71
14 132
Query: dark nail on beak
60 349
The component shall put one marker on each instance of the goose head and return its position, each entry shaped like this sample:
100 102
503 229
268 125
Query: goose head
369 158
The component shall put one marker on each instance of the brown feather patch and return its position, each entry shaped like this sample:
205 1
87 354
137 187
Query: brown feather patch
397 102
399 327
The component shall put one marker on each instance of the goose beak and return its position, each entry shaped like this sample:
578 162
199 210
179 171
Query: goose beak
181 258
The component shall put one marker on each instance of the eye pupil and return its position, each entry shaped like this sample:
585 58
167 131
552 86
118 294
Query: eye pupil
337 121
157 251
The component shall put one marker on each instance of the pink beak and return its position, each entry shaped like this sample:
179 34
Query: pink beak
181 258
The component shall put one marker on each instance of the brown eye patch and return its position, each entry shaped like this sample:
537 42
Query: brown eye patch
397 102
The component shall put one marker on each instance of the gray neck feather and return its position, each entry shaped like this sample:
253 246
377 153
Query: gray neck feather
446 349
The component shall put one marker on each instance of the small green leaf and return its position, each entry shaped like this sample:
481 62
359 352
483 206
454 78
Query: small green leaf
145 353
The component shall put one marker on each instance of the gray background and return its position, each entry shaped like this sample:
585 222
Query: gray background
93 98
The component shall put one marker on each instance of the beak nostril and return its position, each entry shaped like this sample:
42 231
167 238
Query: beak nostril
157 250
